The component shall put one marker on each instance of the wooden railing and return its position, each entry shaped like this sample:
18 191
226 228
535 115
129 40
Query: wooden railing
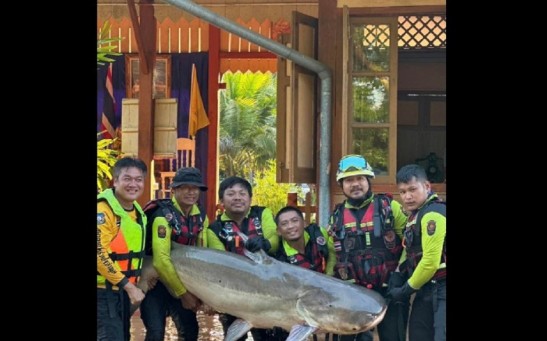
308 209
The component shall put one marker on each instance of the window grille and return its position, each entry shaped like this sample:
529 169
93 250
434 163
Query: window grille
423 32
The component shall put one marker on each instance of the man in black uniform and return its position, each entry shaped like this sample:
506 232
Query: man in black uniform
425 245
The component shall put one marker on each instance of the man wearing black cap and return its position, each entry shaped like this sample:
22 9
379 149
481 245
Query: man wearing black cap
182 220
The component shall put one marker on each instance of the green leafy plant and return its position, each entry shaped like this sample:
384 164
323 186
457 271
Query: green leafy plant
105 46
267 192
247 123
106 157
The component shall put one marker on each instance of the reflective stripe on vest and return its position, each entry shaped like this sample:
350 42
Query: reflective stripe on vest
361 256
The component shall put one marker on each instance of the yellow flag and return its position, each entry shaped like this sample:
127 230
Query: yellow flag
197 115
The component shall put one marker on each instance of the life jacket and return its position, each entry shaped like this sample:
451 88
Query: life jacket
369 249
316 252
227 230
184 230
413 241
127 248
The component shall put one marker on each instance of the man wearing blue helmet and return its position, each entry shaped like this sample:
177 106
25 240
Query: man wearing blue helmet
367 230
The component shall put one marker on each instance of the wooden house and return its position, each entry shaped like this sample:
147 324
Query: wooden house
387 71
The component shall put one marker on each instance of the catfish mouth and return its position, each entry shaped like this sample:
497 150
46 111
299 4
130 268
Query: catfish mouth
371 321
375 320
378 318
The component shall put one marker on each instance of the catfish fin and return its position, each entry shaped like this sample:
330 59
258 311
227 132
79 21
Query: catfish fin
260 256
300 332
237 329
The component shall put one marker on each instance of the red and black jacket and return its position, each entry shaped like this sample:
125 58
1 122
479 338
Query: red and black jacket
367 247
226 230
316 252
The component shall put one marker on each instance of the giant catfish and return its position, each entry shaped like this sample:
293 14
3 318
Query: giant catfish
264 292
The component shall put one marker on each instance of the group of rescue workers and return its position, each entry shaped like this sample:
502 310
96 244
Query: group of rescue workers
371 240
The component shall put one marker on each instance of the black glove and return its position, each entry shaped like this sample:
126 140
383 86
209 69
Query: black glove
396 279
257 243
401 294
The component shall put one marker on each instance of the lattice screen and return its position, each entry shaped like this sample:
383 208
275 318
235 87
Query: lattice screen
422 32
376 36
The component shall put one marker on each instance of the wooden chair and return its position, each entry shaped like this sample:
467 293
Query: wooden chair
186 153
185 157
165 184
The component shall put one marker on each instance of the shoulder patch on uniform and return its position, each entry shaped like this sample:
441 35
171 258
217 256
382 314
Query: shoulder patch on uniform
320 240
431 227
162 231
100 218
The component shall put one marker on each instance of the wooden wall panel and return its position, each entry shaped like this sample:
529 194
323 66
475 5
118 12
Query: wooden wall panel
422 76
437 115
265 29
204 35
179 32
255 27
184 39
246 13
243 44
232 13
194 36
163 31
408 113
244 65
389 3
176 32
224 40
254 64
129 36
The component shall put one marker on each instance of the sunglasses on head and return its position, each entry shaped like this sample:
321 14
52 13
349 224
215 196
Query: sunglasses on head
352 162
